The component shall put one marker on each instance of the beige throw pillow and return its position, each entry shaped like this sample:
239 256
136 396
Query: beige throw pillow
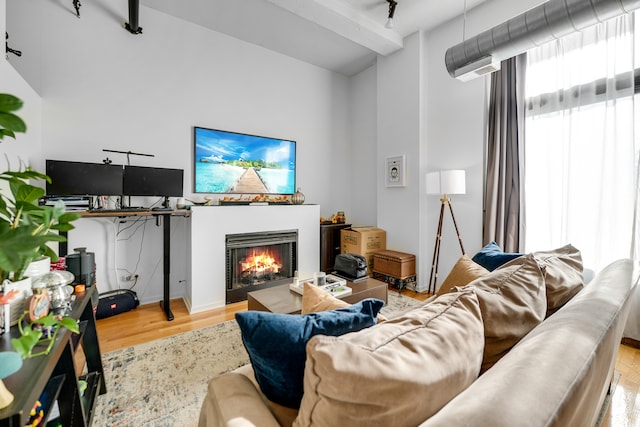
464 271
398 373
513 301
315 299
562 269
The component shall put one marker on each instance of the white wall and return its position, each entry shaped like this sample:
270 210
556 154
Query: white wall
363 149
25 149
439 123
103 87
456 132
399 129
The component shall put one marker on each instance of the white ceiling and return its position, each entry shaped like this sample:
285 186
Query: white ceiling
340 35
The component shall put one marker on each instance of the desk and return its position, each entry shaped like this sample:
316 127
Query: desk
166 258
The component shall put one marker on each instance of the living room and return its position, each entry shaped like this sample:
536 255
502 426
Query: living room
89 85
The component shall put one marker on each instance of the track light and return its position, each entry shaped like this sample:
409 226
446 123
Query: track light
392 11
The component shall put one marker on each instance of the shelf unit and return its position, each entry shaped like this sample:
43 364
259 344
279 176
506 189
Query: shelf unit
330 245
53 378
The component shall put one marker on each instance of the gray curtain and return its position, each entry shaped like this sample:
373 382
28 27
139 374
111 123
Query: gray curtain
504 187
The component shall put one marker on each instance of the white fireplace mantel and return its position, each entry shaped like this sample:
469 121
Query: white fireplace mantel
209 227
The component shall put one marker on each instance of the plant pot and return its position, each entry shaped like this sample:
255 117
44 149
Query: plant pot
38 267
18 304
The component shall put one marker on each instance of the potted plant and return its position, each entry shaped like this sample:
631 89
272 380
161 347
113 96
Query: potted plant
26 227
9 122
42 331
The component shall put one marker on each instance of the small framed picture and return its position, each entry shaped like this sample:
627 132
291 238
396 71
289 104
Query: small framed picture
395 171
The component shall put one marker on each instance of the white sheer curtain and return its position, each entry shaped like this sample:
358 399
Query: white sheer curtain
581 153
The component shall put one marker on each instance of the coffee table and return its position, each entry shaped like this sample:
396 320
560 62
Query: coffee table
280 299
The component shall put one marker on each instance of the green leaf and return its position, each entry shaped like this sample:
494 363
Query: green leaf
26 174
9 102
20 346
50 253
62 227
12 122
7 132
26 193
47 320
26 342
71 324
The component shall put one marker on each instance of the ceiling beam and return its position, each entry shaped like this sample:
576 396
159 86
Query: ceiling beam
342 19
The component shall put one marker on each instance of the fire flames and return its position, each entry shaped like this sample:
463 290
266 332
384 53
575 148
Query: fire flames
260 264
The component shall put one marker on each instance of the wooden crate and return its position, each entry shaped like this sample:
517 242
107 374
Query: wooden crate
395 264
395 282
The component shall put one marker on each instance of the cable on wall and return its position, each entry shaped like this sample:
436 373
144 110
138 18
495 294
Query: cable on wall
8 50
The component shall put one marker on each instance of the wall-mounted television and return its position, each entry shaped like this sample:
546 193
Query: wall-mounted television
238 163
148 181
83 179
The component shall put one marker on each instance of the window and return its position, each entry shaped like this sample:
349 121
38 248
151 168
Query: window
581 151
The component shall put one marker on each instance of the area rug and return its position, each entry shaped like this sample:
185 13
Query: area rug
163 382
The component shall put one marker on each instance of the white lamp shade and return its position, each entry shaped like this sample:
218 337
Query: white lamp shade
446 182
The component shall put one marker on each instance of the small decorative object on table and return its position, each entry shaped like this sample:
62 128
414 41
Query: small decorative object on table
335 285
10 362
338 218
5 310
297 198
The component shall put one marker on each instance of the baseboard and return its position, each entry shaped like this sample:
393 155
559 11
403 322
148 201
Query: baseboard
631 342
193 309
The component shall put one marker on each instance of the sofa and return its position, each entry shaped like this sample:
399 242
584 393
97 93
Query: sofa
546 357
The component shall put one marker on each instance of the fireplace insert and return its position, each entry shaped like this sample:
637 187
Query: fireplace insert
259 260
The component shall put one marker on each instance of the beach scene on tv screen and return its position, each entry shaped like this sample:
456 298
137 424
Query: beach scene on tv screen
227 162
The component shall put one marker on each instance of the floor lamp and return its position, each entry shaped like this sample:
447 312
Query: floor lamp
444 183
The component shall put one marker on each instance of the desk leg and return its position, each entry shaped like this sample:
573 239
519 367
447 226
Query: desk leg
166 304
63 246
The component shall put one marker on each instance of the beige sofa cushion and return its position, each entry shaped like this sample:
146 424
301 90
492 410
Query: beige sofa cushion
232 399
558 375
397 373
513 301
463 272
562 269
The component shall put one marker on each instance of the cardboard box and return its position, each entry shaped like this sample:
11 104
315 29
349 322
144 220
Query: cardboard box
396 264
365 241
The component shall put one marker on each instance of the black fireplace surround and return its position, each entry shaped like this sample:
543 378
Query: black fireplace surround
258 260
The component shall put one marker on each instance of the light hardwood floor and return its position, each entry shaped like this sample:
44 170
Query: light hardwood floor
148 322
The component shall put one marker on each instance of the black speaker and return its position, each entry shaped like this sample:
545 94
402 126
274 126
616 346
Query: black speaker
116 302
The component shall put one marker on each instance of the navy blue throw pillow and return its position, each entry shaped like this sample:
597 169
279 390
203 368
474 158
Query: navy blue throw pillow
276 343
492 257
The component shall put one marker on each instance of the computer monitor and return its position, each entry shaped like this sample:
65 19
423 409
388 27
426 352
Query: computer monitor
147 181
83 179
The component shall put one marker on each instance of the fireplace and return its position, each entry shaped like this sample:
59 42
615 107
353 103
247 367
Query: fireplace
258 260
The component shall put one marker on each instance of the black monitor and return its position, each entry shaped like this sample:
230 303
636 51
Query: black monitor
83 179
147 181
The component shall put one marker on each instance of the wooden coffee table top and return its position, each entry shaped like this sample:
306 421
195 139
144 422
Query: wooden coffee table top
280 299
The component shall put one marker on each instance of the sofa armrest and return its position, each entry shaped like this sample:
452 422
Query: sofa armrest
558 374
233 401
